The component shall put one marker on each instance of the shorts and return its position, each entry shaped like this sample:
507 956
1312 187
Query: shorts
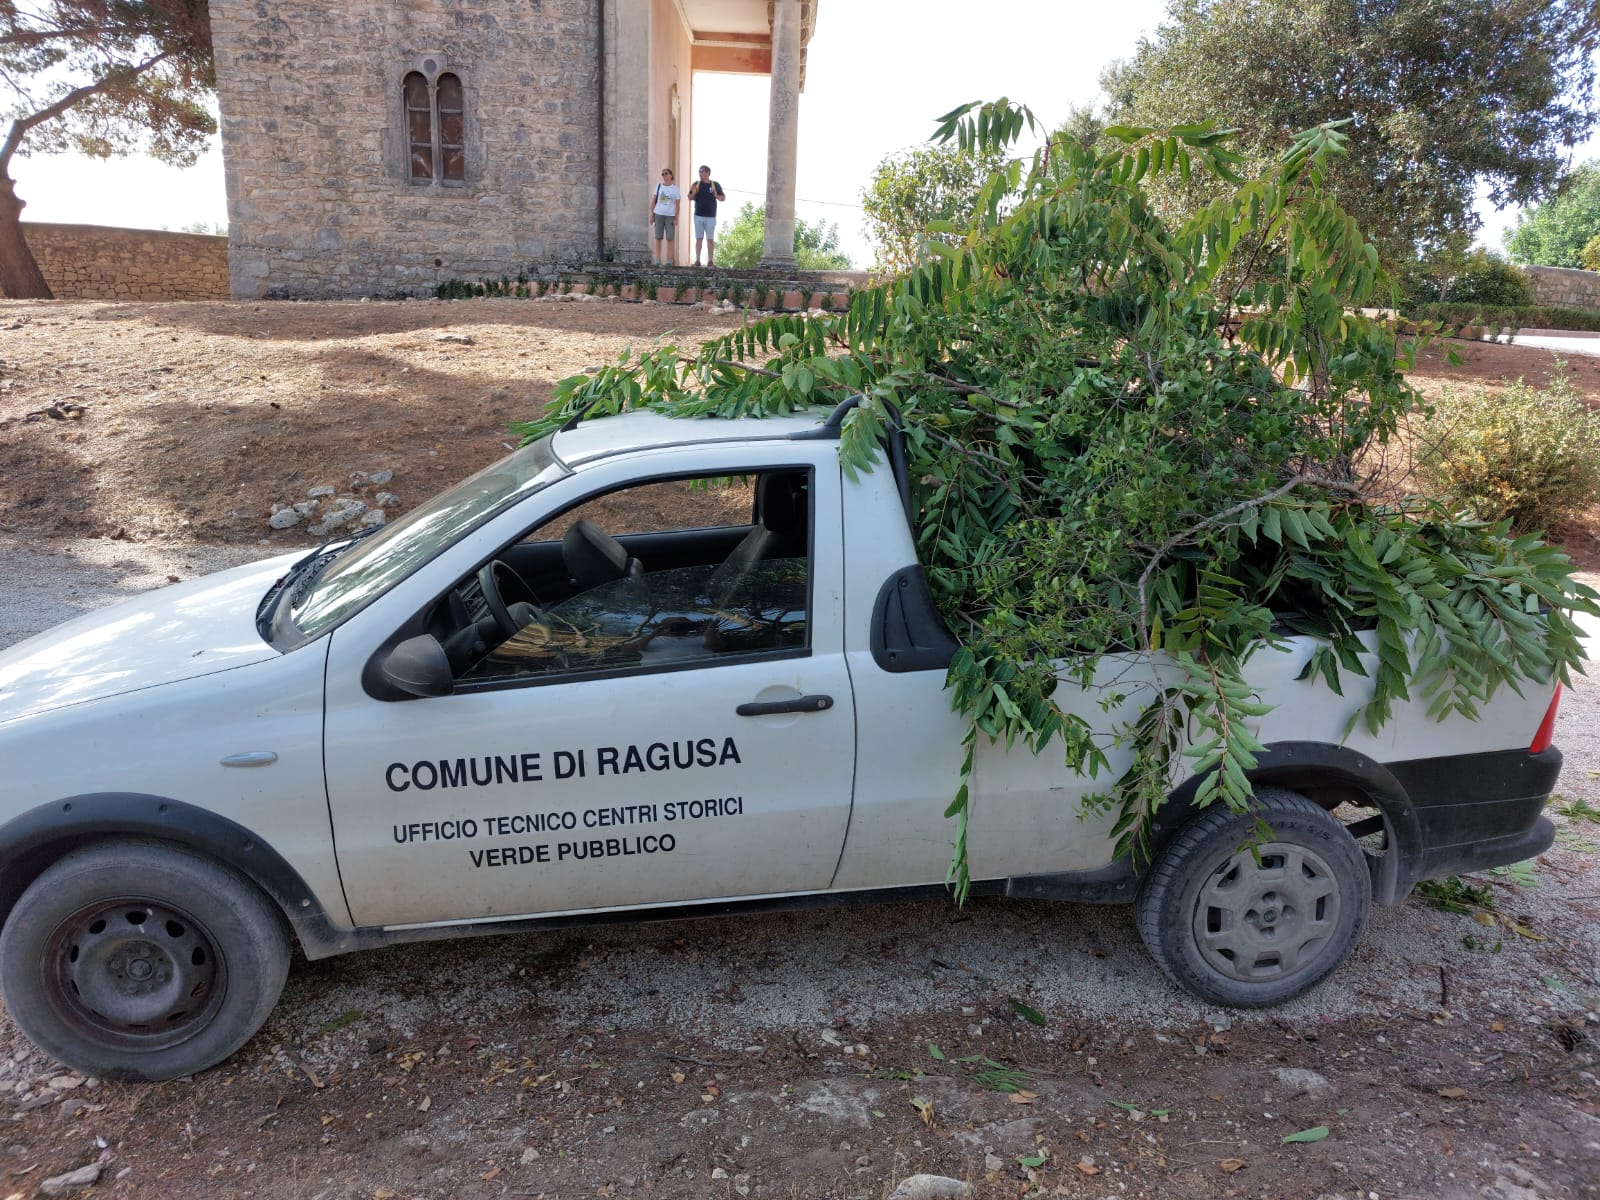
666 227
705 227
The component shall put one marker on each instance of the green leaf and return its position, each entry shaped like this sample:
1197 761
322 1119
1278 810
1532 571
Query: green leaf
1315 1134
348 1017
1272 524
1031 1015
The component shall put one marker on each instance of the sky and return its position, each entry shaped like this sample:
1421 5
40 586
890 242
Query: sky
878 74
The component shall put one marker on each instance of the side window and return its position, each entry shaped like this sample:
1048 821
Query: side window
435 115
659 576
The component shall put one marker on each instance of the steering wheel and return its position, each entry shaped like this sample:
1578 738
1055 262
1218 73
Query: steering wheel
503 591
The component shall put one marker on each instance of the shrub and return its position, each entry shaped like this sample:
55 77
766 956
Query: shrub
1533 316
1480 278
1527 454
1487 279
741 242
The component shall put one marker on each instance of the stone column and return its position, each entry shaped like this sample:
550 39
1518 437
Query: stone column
783 134
629 169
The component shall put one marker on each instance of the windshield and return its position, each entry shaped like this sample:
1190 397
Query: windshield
370 567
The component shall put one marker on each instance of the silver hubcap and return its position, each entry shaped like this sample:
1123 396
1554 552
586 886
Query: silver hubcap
1266 919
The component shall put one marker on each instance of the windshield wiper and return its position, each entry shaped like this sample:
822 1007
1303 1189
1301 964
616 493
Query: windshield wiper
297 581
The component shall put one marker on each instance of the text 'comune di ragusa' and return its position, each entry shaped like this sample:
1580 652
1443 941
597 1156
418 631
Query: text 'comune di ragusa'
490 770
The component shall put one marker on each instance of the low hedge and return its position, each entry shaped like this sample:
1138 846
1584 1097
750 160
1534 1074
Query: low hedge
1531 316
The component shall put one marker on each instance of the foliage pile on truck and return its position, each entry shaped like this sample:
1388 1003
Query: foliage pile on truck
1132 435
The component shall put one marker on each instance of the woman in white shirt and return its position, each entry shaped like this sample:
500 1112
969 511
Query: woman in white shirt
664 217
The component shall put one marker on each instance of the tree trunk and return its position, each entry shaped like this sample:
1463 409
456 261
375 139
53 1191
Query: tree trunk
20 277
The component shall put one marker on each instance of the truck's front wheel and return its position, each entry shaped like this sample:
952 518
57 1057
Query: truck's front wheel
137 960
1250 925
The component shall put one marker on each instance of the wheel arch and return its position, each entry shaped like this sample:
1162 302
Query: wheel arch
32 841
1329 775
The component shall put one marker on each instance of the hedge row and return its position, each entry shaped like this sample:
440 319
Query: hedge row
1531 316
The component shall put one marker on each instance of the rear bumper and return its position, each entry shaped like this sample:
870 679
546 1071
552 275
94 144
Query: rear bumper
1469 812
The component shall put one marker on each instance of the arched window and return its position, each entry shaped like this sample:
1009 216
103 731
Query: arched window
436 128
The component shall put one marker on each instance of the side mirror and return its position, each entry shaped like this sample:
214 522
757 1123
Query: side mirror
418 666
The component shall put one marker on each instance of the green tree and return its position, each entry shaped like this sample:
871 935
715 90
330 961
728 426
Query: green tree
1591 254
1085 123
1553 234
914 189
816 243
1129 442
1439 94
102 78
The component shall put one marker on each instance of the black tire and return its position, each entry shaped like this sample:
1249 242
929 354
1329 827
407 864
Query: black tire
139 960
1245 933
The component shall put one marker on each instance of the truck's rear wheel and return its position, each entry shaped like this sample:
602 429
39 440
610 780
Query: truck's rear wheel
1253 925
136 960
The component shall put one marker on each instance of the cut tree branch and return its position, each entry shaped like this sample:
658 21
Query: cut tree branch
1235 510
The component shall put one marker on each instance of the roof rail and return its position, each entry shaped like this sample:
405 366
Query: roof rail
830 430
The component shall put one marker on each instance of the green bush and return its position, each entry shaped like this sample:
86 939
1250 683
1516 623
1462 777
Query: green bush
1480 278
1527 454
816 243
1532 316
1486 279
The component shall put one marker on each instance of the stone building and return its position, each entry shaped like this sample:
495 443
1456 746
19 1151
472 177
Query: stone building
375 148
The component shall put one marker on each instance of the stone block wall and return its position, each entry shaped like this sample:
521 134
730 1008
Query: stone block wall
314 140
95 262
1565 286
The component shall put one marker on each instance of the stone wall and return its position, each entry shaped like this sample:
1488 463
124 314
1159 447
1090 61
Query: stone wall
94 262
320 202
1565 286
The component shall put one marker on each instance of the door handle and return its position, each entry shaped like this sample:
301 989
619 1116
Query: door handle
800 704
251 758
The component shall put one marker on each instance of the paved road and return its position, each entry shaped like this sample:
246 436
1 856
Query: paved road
1561 343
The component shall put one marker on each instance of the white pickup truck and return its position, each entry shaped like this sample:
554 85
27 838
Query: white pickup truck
497 713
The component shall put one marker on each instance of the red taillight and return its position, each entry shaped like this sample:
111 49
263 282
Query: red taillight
1547 727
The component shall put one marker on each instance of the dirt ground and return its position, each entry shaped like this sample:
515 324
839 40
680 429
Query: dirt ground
200 417
1027 1049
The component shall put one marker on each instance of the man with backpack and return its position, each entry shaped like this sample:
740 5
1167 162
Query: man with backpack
705 192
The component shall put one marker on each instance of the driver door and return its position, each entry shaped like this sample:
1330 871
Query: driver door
640 744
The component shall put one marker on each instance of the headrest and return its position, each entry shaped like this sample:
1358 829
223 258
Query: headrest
592 556
781 502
